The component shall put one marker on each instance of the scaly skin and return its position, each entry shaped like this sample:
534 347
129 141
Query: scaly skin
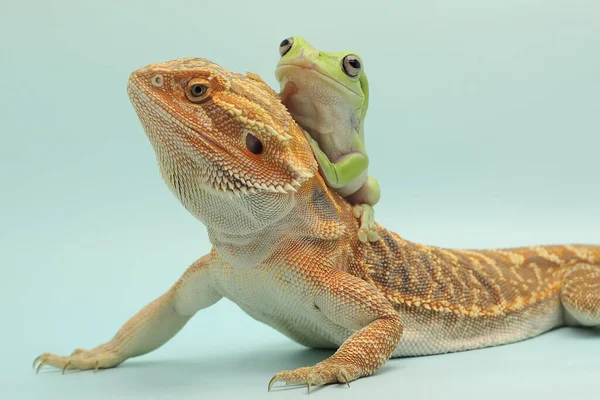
286 248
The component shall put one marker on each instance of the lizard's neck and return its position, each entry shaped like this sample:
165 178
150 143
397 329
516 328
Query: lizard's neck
246 242
248 229
313 213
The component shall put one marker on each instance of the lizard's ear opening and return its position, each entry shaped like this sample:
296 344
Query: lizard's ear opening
253 144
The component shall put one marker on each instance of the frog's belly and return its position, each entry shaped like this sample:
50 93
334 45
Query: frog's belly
281 305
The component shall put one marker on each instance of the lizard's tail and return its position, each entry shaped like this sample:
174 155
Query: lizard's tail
580 293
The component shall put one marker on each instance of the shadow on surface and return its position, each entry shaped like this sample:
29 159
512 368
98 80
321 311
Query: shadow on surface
260 360
214 370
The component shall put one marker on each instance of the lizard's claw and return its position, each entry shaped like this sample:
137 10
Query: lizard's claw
368 228
66 367
101 357
321 374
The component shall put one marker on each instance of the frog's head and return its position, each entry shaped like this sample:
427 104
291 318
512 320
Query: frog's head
319 88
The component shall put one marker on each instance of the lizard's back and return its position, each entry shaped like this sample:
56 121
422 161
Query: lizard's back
452 300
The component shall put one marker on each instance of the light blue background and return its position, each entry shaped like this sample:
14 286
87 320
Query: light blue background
483 130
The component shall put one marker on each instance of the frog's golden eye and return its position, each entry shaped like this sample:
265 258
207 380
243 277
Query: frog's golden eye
351 65
198 90
285 46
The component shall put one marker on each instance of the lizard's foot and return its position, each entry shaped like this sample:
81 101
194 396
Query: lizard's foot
104 356
368 229
321 374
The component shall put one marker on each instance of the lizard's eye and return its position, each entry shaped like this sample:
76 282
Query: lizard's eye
198 90
285 46
351 65
253 144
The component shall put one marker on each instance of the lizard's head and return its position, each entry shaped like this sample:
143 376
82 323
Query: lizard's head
220 137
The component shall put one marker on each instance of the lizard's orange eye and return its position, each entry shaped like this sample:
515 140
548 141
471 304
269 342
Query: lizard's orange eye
198 90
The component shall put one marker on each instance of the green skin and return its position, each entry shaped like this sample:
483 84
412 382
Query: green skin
330 105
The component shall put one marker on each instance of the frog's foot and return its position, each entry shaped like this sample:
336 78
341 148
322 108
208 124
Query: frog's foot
103 356
320 374
368 229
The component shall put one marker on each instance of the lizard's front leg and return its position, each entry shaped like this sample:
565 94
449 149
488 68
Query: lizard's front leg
358 306
151 327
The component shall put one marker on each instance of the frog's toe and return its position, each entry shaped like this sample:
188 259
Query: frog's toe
363 235
373 234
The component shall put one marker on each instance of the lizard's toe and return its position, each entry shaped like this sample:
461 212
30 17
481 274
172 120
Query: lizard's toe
324 375
52 360
320 374
100 357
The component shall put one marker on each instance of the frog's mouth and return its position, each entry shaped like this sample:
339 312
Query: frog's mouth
288 90
314 68
317 104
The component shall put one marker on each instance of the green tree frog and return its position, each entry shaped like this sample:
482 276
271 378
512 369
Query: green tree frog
328 95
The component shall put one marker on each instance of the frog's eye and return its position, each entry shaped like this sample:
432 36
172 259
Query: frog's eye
285 46
351 65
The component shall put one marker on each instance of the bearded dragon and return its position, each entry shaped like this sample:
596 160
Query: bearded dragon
285 246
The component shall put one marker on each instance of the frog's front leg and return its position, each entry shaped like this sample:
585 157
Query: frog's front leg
337 175
365 198
341 173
